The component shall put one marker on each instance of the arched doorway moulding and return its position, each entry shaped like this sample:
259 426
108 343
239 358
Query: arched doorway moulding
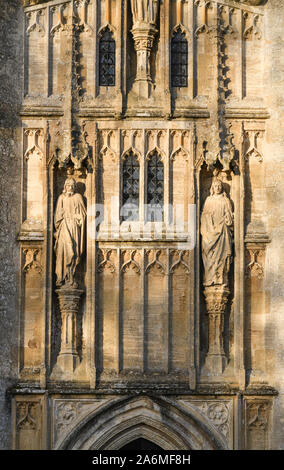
158 419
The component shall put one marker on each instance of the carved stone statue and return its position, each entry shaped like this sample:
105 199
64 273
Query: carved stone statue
144 11
69 222
216 231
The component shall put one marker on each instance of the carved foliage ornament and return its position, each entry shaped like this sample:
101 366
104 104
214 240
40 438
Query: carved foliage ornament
219 415
66 413
258 415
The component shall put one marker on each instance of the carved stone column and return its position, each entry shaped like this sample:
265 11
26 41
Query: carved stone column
144 31
69 301
216 300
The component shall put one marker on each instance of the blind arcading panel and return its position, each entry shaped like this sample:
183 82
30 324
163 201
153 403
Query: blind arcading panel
107 59
179 60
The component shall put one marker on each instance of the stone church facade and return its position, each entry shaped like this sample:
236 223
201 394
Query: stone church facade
141 224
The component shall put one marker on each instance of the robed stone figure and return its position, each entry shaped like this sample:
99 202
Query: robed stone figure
216 231
144 11
69 223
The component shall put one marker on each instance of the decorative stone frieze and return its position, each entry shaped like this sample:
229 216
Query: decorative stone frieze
220 414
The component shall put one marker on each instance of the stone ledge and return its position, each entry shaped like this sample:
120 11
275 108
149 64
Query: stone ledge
247 113
41 111
30 3
67 389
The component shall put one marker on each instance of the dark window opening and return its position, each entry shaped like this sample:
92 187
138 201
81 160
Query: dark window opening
107 59
155 189
179 60
130 190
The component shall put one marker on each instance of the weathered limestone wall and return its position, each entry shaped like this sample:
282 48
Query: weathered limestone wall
253 334
11 20
274 177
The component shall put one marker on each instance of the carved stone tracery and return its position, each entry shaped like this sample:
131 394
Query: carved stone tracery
32 260
27 414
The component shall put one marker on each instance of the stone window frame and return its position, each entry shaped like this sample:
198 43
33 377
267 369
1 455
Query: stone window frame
107 31
124 174
179 31
143 187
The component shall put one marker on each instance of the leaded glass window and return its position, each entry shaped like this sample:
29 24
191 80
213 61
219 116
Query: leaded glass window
130 190
179 60
155 189
107 59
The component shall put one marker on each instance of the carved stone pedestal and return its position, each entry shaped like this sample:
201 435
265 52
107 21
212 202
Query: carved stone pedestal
68 358
216 300
143 38
144 15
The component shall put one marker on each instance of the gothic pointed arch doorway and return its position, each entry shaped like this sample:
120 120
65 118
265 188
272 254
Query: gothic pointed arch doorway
158 422
141 444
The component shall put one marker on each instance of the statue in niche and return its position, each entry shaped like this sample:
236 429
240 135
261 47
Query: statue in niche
216 231
69 221
144 11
